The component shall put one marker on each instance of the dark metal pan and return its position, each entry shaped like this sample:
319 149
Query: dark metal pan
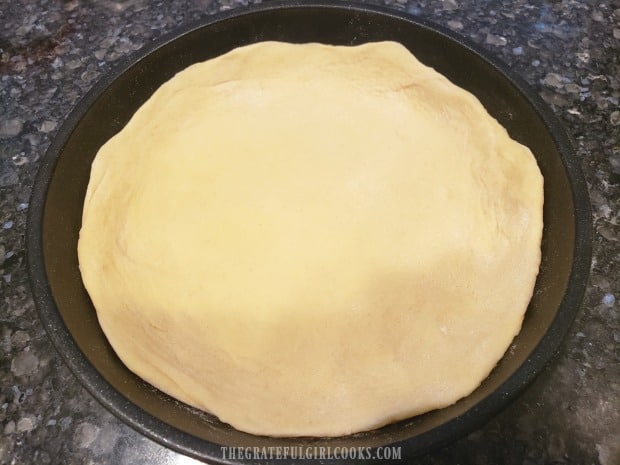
57 201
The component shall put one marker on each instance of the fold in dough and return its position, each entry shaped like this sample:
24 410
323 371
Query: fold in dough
312 240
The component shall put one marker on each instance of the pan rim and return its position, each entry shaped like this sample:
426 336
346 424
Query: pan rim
187 444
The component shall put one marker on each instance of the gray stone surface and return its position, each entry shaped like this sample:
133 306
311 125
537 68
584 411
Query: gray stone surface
51 53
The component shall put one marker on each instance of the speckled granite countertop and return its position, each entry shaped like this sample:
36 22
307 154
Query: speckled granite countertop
52 52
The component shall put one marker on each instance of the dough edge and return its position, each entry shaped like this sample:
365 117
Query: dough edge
136 336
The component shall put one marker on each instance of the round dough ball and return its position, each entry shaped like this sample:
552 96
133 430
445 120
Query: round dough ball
312 240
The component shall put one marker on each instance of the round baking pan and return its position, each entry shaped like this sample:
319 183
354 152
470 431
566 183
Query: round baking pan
57 200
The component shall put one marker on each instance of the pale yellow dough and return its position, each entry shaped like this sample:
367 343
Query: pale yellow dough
312 240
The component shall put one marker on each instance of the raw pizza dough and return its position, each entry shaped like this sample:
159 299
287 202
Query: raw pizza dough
311 240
